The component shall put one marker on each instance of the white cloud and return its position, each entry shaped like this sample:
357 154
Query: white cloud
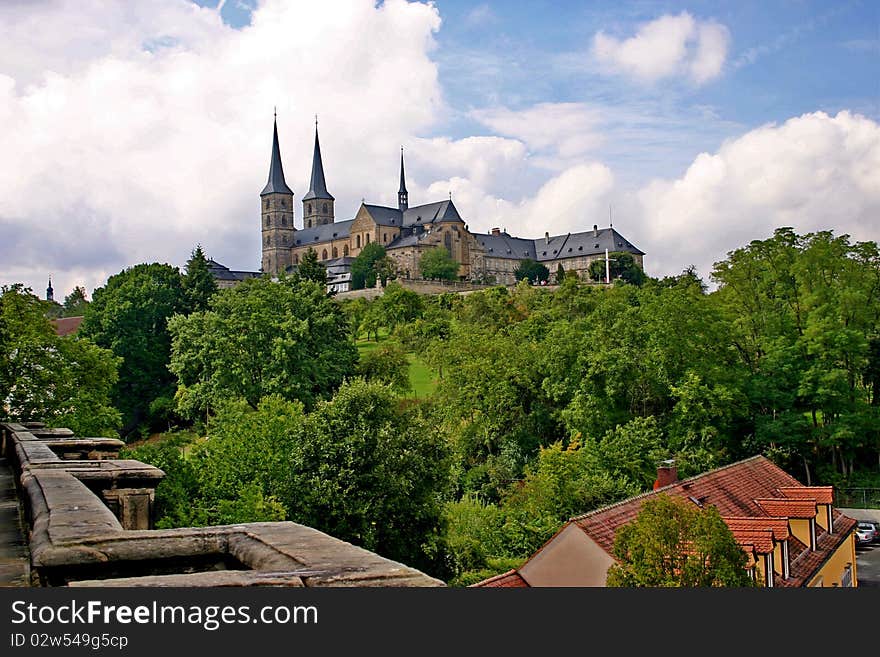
814 172
667 46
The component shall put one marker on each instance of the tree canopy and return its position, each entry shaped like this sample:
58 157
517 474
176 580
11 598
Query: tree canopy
262 337
532 271
436 263
64 381
198 284
129 316
674 543
363 267
311 269
621 265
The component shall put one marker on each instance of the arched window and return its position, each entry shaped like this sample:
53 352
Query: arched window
283 220
335 252
310 223
368 239
324 254
325 208
283 205
267 204
358 242
384 237
295 259
284 240
345 249
268 240
309 208
268 221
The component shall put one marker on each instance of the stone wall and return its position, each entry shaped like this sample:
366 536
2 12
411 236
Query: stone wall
90 518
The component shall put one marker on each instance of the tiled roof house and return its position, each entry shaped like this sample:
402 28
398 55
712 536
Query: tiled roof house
791 533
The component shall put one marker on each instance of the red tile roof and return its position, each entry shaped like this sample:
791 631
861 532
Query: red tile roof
509 580
779 507
731 489
819 494
66 325
755 498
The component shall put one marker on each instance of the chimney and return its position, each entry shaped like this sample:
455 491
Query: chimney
547 238
496 231
595 230
667 474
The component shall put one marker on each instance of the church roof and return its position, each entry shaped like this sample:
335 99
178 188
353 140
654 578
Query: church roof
317 185
223 273
402 189
506 246
324 233
585 243
276 183
431 213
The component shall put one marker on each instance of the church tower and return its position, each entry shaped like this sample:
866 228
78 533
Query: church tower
402 195
276 205
50 293
318 202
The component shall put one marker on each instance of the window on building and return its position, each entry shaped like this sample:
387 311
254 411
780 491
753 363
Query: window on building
267 204
368 239
309 208
325 208
283 220
357 241
268 221
335 252
268 240
310 223
384 237
295 259
345 249
283 204
284 240
324 254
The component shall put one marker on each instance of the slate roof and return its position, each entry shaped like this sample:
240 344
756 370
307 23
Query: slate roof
584 243
431 213
276 183
506 246
324 233
223 273
317 185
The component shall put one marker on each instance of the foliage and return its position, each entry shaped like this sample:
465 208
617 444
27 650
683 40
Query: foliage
311 269
560 274
674 543
129 316
386 269
63 381
437 264
262 337
75 303
363 267
533 272
387 364
198 284
621 265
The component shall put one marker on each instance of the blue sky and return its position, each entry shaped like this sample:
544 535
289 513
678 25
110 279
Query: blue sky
733 117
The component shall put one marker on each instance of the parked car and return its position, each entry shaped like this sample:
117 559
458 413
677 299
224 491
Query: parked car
864 533
873 527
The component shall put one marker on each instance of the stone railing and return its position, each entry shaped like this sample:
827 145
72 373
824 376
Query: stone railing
90 517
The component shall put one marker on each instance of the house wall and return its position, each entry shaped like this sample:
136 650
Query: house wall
571 558
834 568
801 529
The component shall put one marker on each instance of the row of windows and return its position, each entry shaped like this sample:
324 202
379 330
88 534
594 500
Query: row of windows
269 221
324 208
267 205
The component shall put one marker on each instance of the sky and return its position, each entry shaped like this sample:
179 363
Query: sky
132 131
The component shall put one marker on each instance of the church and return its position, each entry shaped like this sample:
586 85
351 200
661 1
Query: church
406 232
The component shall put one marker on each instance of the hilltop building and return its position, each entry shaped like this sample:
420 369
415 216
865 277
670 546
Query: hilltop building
406 232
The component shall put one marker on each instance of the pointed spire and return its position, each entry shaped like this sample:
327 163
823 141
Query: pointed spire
276 184
402 194
317 186
402 189
50 293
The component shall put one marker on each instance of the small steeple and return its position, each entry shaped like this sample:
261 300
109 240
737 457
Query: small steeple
50 293
402 195
276 183
317 186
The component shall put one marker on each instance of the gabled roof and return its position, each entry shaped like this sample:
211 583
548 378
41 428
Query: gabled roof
385 216
819 494
584 243
431 213
223 273
509 580
317 185
323 233
276 183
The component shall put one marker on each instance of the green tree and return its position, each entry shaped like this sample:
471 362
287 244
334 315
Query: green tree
533 272
129 316
63 381
674 543
436 263
368 472
262 337
560 274
399 305
386 269
75 303
311 269
363 267
198 284
387 364
622 265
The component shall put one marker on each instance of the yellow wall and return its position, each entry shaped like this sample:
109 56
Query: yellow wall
833 569
822 516
800 527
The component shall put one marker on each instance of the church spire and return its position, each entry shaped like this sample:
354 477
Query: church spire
317 186
50 293
402 195
276 184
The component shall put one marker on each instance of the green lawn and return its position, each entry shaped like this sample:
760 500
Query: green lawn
421 378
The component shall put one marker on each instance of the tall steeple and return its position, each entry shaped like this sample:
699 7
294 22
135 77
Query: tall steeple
50 293
276 215
318 202
276 183
402 195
